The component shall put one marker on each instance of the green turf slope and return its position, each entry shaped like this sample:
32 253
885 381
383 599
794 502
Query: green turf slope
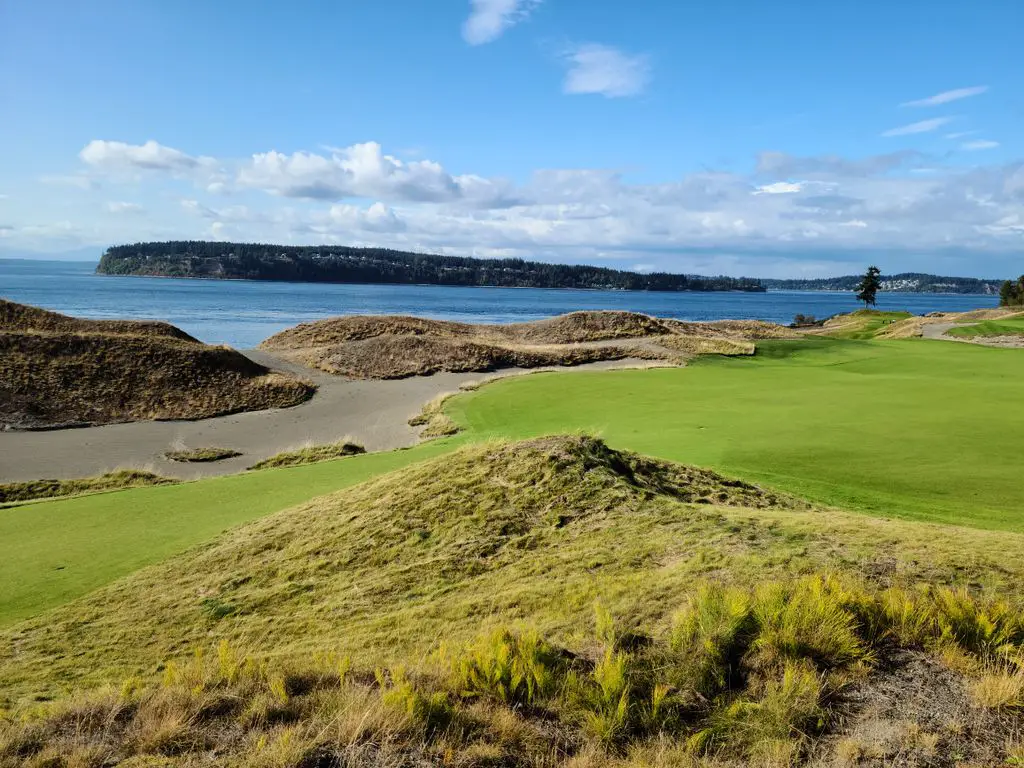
55 551
915 429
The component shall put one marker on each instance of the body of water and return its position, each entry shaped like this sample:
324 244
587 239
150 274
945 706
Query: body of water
243 313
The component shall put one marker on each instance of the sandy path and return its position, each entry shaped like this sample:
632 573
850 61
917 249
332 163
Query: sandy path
374 413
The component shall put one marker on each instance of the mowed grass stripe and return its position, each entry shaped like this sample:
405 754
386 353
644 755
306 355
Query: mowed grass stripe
923 430
52 552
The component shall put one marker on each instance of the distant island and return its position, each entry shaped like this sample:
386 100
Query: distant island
342 264
910 282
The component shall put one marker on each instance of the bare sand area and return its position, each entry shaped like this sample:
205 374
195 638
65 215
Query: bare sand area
373 413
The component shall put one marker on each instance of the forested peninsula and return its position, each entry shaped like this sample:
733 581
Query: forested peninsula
341 264
910 282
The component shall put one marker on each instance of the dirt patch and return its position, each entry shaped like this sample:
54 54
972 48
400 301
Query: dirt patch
912 711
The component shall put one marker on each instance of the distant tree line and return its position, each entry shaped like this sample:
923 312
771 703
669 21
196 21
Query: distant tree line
912 282
341 264
1011 293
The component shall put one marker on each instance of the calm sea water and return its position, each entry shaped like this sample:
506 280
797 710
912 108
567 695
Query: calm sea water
243 313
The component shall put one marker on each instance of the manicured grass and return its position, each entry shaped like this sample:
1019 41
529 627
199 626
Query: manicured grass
1013 326
923 430
53 552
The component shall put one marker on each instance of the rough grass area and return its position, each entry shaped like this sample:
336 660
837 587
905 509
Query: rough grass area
1012 326
55 551
469 582
22 317
768 676
46 489
534 531
396 346
862 324
434 420
201 455
885 427
56 372
311 454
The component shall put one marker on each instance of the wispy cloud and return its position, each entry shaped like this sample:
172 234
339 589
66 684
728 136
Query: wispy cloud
121 207
924 126
947 96
488 19
596 68
974 146
960 134
779 188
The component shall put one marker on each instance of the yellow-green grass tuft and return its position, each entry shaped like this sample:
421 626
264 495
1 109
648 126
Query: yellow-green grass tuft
110 481
311 454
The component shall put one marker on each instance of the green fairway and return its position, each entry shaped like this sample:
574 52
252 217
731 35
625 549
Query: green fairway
1012 326
916 429
54 551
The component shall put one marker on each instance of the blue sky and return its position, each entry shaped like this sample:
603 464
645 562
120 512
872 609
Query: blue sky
768 139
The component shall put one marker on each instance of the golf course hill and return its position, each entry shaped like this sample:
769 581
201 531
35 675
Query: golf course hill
58 371
550 602
389 347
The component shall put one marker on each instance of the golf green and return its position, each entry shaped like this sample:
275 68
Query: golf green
926 430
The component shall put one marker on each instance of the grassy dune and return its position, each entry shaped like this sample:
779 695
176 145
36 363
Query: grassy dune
56 551
710 642
367 347
61 371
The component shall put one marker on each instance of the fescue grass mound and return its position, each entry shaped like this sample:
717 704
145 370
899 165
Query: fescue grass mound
22 317
387 347
55 372
445 614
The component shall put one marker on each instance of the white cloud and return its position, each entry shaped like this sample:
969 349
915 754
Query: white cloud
122 207
947 96
602 69
785 208
974 146
488 19
960 134
779 188
924 126
362 170
117 155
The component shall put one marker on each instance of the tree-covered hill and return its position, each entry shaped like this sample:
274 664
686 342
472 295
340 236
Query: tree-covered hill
911 282
341 264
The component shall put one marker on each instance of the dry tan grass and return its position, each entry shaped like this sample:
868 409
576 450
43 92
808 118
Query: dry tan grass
396 347
56 373
22 317
110 481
